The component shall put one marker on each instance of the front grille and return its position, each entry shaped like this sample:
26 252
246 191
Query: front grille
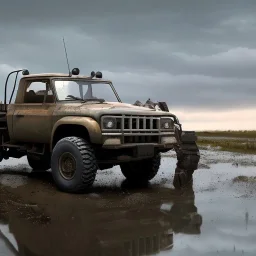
135 124
142 124
136 129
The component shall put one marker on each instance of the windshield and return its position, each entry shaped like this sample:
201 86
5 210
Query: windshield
84 91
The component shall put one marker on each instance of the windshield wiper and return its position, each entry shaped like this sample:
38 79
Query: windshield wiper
75 98
99 100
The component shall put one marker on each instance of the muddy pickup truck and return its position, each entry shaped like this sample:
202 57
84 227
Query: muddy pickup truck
76 125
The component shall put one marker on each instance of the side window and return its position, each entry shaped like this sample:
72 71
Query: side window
36 92
49 96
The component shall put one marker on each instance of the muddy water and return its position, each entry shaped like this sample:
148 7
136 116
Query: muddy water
213 216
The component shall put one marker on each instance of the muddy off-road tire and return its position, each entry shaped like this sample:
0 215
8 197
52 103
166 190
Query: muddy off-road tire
141 171
74 165
39 163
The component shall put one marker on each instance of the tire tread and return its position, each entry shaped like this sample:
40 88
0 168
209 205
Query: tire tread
89 160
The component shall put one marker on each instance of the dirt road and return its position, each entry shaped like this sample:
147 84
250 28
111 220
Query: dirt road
214 216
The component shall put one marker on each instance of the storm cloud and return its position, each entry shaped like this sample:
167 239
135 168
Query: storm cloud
196 55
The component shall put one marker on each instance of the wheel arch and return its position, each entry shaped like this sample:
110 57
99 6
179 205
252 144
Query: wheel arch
84 127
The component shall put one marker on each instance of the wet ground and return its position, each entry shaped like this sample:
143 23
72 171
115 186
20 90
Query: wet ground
216 215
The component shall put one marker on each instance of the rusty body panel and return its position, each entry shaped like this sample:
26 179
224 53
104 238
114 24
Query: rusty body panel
90 124
32 122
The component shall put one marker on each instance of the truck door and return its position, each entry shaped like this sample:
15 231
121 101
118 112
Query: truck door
32 120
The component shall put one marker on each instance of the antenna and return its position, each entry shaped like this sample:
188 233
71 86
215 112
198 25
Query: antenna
66 56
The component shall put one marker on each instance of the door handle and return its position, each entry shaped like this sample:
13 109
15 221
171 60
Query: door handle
19 115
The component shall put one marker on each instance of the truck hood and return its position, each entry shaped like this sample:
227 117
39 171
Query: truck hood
117 106
107 108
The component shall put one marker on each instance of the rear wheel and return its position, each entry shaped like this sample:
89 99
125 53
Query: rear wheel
39 163
74 165
143 170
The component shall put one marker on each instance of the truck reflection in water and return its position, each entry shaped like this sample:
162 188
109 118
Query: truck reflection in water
90 229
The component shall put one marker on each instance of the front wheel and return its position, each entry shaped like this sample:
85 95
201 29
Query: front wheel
143 170
74 165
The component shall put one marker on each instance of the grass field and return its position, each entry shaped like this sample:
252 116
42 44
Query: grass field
236 134
242 141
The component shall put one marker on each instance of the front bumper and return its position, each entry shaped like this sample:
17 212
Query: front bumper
112 151
115 142
115 154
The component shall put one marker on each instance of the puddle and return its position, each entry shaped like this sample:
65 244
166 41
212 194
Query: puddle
216 216
13 181
213 156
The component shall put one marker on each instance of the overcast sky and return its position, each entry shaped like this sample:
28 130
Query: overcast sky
199 56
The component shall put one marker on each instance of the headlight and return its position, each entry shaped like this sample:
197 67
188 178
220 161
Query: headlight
109 123
167 123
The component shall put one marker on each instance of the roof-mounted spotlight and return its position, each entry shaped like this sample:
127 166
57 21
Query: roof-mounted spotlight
75 71
98 74
92 74
25 72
